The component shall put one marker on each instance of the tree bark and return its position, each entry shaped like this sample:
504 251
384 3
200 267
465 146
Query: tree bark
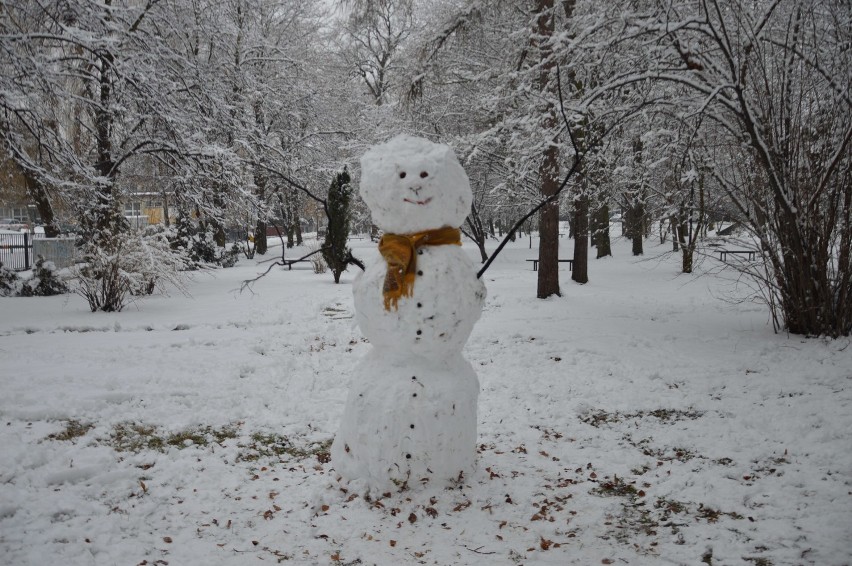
548 226
602 231
580 271
38 193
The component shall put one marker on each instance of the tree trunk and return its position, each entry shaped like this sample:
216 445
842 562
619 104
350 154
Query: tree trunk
580 271
548 225
38 193
634 220
260 243
602 231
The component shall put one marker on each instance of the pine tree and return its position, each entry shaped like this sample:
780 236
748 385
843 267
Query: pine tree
334 250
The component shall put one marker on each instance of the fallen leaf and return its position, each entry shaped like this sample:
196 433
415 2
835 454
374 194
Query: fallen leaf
545 544
392 542
167 540
412 518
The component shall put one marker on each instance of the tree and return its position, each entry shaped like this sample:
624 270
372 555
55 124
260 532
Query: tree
374 32
334 250
772 78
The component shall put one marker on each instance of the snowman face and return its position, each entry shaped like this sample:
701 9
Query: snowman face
412 184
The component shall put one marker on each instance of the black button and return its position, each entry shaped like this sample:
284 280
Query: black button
410 426
419 332
413 377
419 305
414 394
419 272
419 252
408 456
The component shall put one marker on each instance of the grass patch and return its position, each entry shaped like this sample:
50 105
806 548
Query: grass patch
136 437
73 429
618 488
274 446
601 417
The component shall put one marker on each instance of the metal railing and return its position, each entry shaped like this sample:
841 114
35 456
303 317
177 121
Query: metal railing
19 250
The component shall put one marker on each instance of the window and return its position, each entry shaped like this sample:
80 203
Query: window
133 209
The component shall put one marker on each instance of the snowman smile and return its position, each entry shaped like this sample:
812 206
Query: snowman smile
419 202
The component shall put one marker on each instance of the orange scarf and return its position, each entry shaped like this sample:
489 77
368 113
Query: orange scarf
399 253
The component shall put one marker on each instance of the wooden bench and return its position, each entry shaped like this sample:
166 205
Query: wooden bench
723 254
570 263
289 263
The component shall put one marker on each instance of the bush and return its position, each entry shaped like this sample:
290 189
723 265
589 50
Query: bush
197 242
9 282
317 261
45 282
132 265
231 256
334 251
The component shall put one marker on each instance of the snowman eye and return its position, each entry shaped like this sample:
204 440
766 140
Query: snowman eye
423 174
402 175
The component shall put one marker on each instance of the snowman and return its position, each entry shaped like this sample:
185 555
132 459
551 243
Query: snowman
410 418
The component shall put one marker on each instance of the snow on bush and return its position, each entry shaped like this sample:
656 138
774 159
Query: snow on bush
9 282
132 265
45 282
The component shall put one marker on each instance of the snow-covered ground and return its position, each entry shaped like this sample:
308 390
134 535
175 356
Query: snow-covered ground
639 419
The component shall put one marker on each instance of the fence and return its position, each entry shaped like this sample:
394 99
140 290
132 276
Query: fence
18 250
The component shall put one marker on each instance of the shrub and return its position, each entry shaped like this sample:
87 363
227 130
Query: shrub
334 250
45 282
9 282
132 265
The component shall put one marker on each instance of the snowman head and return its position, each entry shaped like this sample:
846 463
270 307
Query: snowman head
412 185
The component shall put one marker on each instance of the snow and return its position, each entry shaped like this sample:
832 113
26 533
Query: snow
410 418
428 174
638 419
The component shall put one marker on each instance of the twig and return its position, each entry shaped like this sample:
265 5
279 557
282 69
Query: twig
476 550
350 259
574 167
281 263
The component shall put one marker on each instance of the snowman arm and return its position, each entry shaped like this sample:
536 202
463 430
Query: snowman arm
578 157
354 261
574 167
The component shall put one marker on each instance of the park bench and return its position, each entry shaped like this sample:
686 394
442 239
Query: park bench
723 254
289 262
570 263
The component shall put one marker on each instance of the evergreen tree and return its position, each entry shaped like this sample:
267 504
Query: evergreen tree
334 249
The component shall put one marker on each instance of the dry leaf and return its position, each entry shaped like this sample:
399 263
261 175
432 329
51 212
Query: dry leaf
167 539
